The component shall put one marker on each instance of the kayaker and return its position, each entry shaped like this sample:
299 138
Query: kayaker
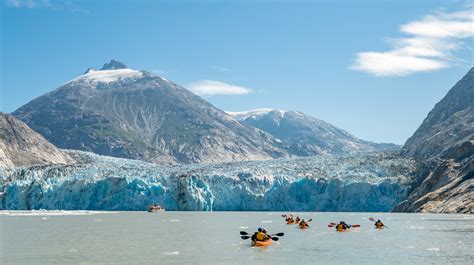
297 219
260 235
290 220
342 226
267 236
303 223
379 224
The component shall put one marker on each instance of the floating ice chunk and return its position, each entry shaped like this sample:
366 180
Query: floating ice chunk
171 253
50 213
433 249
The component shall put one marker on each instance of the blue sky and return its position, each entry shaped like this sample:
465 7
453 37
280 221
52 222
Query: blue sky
375 68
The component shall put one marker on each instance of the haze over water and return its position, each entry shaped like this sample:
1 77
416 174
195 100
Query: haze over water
213 237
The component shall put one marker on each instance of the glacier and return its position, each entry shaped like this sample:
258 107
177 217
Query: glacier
374 181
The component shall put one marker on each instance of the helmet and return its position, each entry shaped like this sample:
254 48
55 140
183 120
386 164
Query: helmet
259 229
378 221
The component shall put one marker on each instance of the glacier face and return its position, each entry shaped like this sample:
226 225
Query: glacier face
369 182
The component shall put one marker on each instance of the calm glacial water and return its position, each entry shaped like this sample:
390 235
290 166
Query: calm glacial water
213 238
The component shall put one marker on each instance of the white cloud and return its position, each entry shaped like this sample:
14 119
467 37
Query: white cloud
211 88
29 3
430 45
66 5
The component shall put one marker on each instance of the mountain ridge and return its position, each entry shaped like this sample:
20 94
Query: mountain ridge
20 145
306 135
132 114
444 145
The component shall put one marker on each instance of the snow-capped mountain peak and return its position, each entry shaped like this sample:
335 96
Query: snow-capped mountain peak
107 76
243 115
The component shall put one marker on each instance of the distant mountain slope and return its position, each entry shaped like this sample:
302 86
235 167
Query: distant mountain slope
445 144
20 145
306 135
449 123
121 112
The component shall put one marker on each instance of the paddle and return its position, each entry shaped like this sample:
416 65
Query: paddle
247 237
333 224
373 220
243 233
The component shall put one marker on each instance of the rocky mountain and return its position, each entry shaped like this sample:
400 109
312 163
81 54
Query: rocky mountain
122 112
306 135
444 144
20 145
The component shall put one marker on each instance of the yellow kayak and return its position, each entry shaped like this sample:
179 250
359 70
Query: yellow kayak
265 243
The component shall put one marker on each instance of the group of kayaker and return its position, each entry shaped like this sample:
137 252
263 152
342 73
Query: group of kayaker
302 223
262 238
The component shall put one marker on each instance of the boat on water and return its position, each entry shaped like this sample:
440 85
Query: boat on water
155 208
266 243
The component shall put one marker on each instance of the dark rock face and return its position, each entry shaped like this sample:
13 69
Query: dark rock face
444 144
306 135
20 145
113 65
126 113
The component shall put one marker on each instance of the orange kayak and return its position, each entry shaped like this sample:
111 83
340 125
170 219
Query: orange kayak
265 243
303 227
290 222
379 227
342 230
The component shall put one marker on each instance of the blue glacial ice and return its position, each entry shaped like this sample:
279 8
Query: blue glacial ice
357 182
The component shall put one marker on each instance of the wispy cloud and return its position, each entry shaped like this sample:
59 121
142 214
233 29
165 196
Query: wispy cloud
221 69
211 88
56 5
430 45
29 3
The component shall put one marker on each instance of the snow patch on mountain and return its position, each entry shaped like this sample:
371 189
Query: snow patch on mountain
243 115
107 76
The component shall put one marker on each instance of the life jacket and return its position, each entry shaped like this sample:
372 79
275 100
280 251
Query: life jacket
261 236
379 224
340 227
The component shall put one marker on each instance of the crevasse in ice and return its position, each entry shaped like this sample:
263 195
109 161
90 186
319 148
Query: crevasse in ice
357 182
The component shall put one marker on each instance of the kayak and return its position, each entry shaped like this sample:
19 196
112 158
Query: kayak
342 230
265 243
290 222
303 227
379 227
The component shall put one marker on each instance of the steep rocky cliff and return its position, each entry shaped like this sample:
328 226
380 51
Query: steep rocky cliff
444 145
20 145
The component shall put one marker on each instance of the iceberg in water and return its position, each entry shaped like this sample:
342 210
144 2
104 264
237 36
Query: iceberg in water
358 182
